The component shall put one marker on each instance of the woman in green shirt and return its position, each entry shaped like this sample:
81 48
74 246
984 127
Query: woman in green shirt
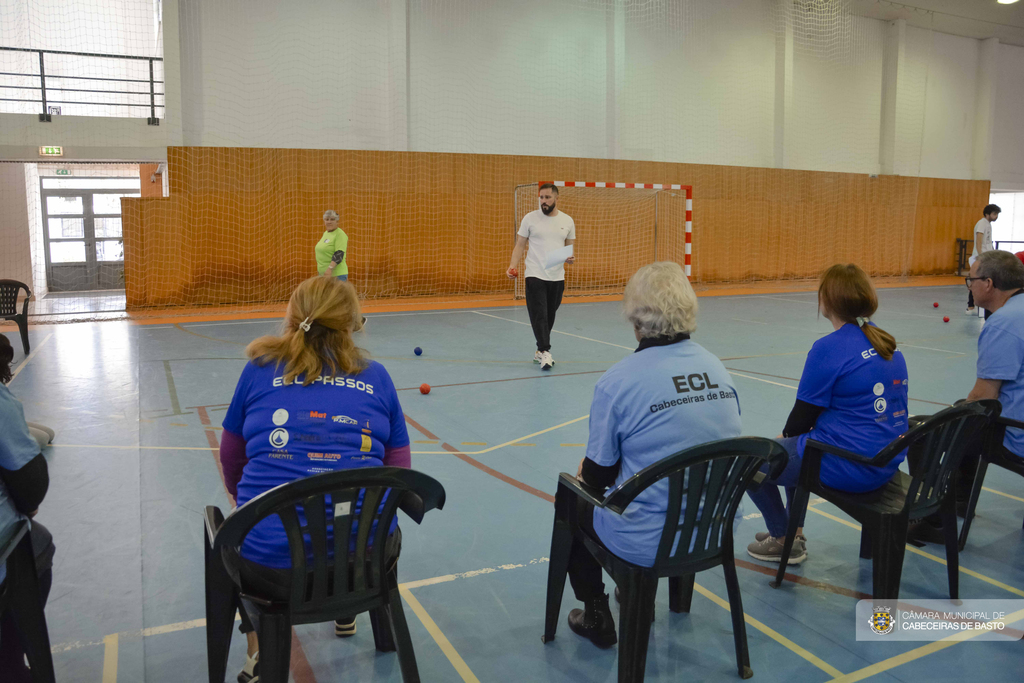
330 250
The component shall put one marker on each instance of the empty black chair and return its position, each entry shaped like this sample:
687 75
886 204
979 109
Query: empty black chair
19 594
322 588
713 478
994 454
939 444
9 307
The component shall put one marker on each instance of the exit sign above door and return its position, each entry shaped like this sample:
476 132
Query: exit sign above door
51 151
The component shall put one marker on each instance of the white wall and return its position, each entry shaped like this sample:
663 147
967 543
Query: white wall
15 244
950 107
1008 147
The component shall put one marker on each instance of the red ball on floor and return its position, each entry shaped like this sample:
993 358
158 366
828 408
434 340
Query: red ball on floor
425 388
936 304
945 319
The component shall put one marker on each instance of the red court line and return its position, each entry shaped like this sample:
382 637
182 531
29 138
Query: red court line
498 475
211 438
302 672
510 379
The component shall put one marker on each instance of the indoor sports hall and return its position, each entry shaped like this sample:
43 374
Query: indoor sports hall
169 169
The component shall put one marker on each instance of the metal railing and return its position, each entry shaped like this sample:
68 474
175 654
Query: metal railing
48 90
963 255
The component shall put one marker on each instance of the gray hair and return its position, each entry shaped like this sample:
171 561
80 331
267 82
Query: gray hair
660 302
1005 269
330 214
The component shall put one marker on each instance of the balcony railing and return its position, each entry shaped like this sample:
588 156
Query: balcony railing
58 71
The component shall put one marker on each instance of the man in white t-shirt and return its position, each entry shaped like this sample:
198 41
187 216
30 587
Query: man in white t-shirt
982 243
544 230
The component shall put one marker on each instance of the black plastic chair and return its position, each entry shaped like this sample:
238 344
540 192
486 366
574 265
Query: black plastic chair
9 307
885 513
994 454
713 478
322 588
19 593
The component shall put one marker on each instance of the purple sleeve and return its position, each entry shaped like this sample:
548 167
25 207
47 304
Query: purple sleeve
232 460
397 457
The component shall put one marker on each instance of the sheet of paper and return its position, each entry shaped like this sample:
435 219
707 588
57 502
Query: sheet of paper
557 256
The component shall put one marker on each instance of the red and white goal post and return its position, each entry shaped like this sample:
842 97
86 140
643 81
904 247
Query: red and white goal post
619 228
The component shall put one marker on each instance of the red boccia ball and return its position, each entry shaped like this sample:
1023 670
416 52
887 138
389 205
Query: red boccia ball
425 388
936 304
944 319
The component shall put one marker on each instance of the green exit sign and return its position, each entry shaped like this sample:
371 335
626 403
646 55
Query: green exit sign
63 171
51 151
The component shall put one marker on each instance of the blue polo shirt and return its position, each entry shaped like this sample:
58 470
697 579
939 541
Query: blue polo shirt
648 406
1001 356
865 402
292 431
17 448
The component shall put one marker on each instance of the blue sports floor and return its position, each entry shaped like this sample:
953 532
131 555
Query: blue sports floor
137 409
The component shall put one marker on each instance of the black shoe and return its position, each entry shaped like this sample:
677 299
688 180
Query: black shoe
619 600
594 622
922 531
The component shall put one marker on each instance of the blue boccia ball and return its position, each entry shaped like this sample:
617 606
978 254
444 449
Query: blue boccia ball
418 351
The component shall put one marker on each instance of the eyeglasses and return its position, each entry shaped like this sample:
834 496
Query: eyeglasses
967 280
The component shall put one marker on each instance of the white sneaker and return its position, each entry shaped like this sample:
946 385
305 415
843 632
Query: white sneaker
250 673
538 357
546 360
971 311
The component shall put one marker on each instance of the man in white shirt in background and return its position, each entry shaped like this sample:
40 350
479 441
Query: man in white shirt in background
544 230
982 243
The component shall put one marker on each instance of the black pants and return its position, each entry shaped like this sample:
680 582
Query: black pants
12 652
585 573
543 297
276 583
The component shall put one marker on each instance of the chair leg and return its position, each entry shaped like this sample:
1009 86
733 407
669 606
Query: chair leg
739 626
558 566
865 543
275 636
27 608
796 510
383 633
680 593
400 631
952 547
889 545
221 605
23 328
972 502
635 611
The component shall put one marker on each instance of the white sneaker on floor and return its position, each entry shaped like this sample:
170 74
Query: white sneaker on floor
250 673
538 357
546 360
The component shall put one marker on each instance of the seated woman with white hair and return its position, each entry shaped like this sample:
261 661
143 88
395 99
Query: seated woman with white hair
634 424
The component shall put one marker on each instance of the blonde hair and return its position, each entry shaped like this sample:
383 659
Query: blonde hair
330 308
660 302
845 292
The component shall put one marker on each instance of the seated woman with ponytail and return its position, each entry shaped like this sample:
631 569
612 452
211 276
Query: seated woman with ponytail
852 394
308 401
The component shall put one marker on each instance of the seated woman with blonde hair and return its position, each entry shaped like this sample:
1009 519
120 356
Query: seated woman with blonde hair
852 394
309 401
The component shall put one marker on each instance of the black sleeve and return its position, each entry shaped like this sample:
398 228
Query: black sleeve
338 256
802 418
27 486
599 476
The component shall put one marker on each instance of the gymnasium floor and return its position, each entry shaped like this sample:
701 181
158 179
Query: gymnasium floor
137 409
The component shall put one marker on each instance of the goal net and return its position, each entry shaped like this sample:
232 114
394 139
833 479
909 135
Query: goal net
619 228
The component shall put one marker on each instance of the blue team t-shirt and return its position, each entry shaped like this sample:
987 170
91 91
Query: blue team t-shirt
1001 356
648 406
292 431
17 449
865 402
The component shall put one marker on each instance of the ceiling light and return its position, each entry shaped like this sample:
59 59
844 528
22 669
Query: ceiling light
1006 2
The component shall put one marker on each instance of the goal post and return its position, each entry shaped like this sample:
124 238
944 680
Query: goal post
620 227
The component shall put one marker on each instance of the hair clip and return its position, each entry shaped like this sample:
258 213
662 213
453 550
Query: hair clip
861 322
305 325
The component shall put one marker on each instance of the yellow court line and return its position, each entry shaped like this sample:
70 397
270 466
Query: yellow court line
1000 493
30 356
934 558
917 653
772 633
439 637
573 445
110 658
507 443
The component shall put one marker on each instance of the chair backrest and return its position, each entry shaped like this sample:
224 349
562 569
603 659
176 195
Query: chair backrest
9 296
712 477
940 444
334 557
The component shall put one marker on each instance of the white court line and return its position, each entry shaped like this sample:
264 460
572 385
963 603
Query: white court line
518 322
928 348
752 322
758 379
22 364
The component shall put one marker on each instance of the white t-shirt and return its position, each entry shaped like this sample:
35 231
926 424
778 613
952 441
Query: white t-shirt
545 233
985 228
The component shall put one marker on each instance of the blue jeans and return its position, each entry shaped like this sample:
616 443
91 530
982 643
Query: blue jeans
768 499
343 278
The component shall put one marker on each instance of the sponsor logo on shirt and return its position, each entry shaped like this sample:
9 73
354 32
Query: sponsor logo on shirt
696 398
694 382
324 456
344 419
309 438
279 438
281 455
366 429
878 389
315 415
346 382
879 405
280 416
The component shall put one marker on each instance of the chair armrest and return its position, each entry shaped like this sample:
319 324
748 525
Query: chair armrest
840 452
587 493
1007 422
213 518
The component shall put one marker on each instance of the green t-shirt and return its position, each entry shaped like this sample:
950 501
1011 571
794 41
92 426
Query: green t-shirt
330 242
